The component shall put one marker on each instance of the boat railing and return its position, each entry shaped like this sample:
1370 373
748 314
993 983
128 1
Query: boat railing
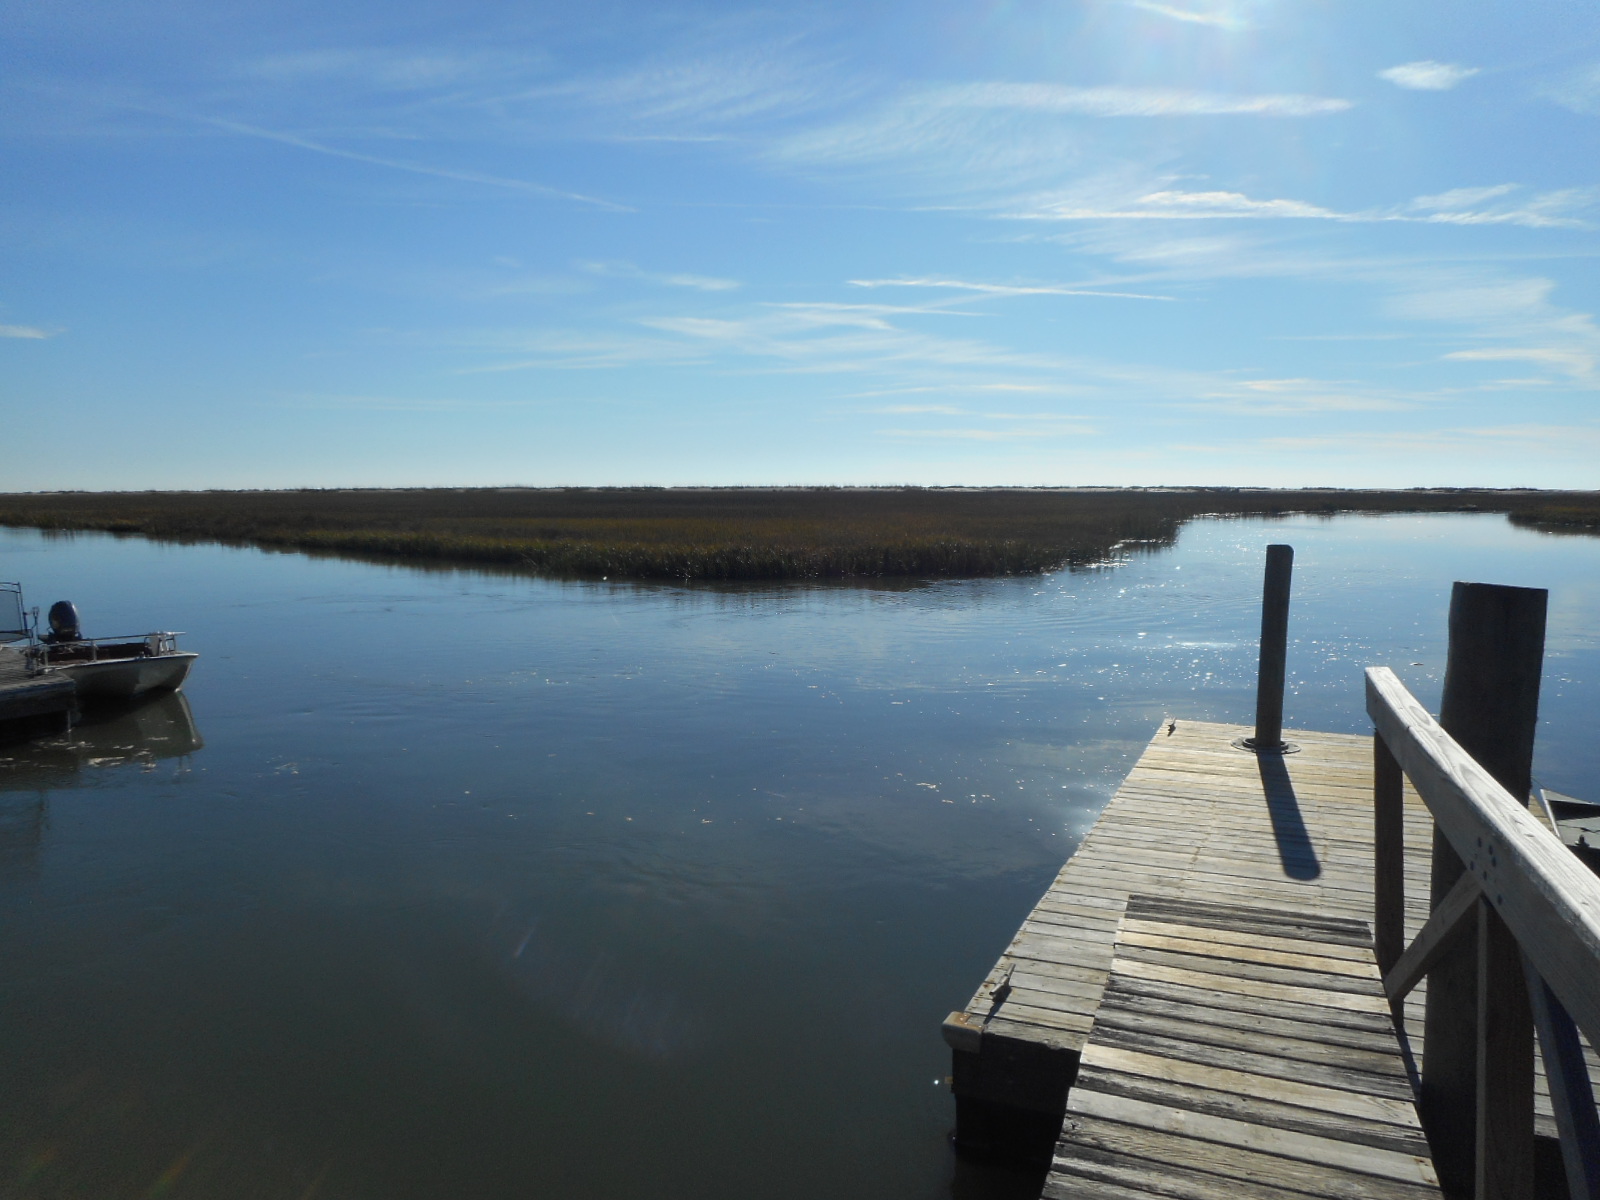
1531 911
82 650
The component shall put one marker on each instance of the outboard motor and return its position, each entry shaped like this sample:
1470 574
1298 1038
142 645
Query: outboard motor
63 623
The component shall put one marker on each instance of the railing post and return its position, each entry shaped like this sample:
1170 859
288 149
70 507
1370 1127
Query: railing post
1274 649
1504 1166
1388 857
1490 707
1571 1096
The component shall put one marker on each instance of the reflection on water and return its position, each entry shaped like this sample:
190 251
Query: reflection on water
141 731
491 886
597 994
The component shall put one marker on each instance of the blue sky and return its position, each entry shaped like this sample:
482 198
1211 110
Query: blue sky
1090 242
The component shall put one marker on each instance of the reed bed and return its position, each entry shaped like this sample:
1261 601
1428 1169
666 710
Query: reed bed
736 533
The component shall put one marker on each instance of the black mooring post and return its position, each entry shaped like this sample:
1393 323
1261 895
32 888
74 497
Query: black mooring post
1491 678
1274 650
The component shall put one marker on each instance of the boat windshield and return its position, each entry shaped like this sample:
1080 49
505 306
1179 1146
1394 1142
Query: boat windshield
13 620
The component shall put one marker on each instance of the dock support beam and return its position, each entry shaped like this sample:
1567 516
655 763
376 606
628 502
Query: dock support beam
1490 707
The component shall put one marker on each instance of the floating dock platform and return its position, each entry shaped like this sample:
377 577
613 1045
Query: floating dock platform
1194 1008
32 707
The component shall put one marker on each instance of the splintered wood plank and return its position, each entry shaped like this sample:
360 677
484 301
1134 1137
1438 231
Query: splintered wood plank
1240 952
1242 1085
1175 1100
1219 1006
1290 1041
1155 927
1272 990
1330 1154
1155 1163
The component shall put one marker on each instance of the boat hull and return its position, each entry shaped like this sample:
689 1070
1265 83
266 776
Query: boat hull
119 678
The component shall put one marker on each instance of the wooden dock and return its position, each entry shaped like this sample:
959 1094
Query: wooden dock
1194 1008
31 707
1268 1059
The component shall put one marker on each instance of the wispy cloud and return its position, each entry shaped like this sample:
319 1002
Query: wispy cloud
413 404
701 84
572 350
686 80
1549 440
1461 206
1126 101
1516 315
1002 289
1339 337
1576 362
951 410
988 435
800 338
1486 313
626 270
32 332
1301 397
396 164
715 90
924 118
935 379
1567 439
973 138
1486 302
1427 75
1579 91
964 387
386 69
1174 205
981 425
1459 198
1220 16
826 307
1465 206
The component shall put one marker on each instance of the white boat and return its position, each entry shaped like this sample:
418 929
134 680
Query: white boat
102 668
117 668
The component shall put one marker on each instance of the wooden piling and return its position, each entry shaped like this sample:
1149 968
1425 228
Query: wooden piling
1491 708
1274 649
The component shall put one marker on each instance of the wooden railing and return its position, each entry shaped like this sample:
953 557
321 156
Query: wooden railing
1534 910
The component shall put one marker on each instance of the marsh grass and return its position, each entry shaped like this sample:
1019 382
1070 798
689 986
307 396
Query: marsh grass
1564 516
735 533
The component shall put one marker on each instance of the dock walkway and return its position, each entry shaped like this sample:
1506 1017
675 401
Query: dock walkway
1206 952
1268 1060
1197 820
1200 832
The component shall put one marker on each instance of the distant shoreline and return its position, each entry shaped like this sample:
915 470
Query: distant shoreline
789 533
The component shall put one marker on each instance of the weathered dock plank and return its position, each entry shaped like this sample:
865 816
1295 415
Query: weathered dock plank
1290 1091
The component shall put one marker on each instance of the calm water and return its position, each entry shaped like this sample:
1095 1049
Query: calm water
483 886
